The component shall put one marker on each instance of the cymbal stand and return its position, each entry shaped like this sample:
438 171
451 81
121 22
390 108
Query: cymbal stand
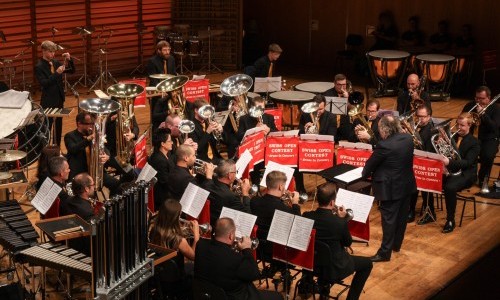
9 70
21 54
140 68
85 77
210 65
104 73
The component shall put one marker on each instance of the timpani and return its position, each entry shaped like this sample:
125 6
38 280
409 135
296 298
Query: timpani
387 68
316 87
438 69
290 102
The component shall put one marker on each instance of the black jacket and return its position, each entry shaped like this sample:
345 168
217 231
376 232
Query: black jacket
204 139
247 122
221 195
327 123
77 158
178 180
52 84
469 152
162 165
155 66
404 101
374 128
77 205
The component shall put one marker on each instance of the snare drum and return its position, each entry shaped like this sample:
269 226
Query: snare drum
194 46
178 45
438 68
387 68
290 102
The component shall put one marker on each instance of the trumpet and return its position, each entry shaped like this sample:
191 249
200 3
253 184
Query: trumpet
349 213
254 243
288 196
187 229
237 188
200 167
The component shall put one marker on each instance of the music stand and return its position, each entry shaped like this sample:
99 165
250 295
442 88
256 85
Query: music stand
336 105
210 65
427 211
83 32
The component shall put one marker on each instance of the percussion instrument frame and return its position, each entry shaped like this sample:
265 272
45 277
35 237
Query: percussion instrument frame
385 86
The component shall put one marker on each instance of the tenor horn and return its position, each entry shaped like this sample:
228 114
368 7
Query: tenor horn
312 109
173 86
207 113
186 127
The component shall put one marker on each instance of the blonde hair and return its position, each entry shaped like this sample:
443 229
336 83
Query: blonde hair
49 45
274 178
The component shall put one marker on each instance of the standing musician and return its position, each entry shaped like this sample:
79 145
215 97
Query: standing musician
221 193
372 118
413 92
488 133
468 148
341 88
391 168
203 135
162 163
180 176
49 73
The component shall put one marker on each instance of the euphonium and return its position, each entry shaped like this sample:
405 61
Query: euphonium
176 103
187 229
288 196
442 143
125 94
101 108
237 189
207 113
254 243
237 86
312 109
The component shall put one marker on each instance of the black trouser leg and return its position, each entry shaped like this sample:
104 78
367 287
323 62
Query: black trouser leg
362 268
487 155
452 185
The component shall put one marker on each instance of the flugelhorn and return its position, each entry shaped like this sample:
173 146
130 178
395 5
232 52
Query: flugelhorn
254 243
186 127
207 113
187 228
312 109
288 196
236 187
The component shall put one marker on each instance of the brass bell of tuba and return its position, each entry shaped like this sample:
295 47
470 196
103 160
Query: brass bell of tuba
312 109
237 86
173 86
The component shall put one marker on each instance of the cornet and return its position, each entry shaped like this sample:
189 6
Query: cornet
200 167
237 188
288 196
207 113
254 243
349 213
187 228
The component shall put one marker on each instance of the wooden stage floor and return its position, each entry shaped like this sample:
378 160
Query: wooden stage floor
429 260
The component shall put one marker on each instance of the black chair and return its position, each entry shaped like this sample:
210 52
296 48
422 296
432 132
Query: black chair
204 290
352 42
466 199
170 281
314 282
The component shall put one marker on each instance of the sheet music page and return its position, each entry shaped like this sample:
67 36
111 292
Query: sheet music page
272 166
198 77
350 176
244 221
284 133
316 137
274 84
252 131
427 154
360 204
300 233
280 227
147 173
41 202
260 85
357 145
193 200
242 163
101 94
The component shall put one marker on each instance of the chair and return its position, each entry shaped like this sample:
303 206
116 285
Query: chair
466 199
203 290
352 42
170 280
322 265
53 211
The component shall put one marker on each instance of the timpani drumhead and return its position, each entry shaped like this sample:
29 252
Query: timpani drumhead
289 102
314 87
393 61
389 54
292 96
435 58
435 66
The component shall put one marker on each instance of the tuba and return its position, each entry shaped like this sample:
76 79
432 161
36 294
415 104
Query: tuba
312 109
442 143
177 103
101 108
237 86
125 94
207 113
356 111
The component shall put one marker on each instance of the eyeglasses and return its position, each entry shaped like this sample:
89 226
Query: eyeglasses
421 116
87 123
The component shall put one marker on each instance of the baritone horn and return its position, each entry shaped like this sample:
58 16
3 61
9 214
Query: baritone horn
312 108
173 86
237 86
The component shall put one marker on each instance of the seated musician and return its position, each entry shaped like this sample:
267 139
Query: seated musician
79 145
43 163
203 135
230 128
263 207
180 176
221 193
468 148
162 163
341 88
111 138
172 122
332 229
218 263
372 118
413 92
58 170
248 122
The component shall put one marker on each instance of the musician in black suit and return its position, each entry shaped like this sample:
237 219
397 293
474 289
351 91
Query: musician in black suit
468 148
341 88
488 133
221 193
234 272
413 92
203 135
326 122
180 176
58 170
372 118
332 229
265 66
172 122
391 168
162 163
111 138
49 73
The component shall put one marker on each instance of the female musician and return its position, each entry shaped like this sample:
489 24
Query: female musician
162 163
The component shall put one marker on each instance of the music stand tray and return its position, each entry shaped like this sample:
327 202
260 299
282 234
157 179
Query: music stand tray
354 186
64 228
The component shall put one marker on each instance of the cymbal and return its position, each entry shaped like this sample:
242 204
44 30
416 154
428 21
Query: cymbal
84 30
31 42
161 76
62 47
5 175
11 155
214 32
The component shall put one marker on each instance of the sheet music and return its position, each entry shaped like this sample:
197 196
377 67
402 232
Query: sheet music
316 137
101 94
427 154
273 166
198 77
244 221
252 131
147 173
267 84
300 233
284 133
336 105
242 163
13 99
360 204
357 145
280 227
46 195
350 176
193 200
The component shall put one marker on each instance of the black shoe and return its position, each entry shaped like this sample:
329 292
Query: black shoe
378 258
396 249
448 227
427 219
411 217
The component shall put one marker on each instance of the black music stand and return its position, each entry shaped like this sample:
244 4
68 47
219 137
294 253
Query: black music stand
353 186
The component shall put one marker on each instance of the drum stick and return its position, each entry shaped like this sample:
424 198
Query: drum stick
68 230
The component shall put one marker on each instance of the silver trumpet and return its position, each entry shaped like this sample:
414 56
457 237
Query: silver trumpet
288 196
236 188
187 229
254 241
207 113
200 167
349 213
186 127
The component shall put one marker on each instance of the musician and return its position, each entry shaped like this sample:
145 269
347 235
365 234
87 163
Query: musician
326 123
161 112
414 36
441 40
345 128
83 188
180 176
49 73
162 163
372 118
468 148
43 163
265 66
221 193
111 138
386 33
203 135
58 170
413 92
172 122
332 229
234 272
488 133
391 168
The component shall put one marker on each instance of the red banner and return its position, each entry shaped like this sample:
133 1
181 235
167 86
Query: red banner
255 143
277 113
428 174
141 154
315 155
195 89
140 100
351 156
283 150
